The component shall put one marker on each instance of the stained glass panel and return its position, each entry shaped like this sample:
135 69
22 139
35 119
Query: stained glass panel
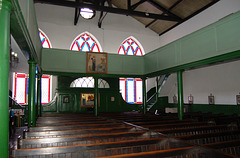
20 90
123 88
139 91
85 42
88 82
44 39
46 96
133 91
130 91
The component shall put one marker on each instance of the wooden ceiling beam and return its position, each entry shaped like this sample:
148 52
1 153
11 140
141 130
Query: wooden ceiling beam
174 5
165 11
76 16
137 4
97 7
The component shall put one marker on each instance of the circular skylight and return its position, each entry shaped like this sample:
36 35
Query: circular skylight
87 13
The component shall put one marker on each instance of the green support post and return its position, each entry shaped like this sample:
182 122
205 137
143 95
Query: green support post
96 96
144 100
5 9
180 95
157 89
39 93
31 94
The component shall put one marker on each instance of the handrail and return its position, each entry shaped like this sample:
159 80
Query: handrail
152 97
162 81
16 103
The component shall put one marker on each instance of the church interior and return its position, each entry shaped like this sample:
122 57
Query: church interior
119 79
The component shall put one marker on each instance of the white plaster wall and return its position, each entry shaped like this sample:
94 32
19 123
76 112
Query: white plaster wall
221 80
214 13
57 23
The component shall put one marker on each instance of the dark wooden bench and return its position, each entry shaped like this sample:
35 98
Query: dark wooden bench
157 122
102 149
56 119
194 130
231 147
83 131
84 139
214 137
188 152
75 122
69 127
176 125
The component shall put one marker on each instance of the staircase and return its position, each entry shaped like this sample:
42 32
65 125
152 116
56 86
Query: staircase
154 98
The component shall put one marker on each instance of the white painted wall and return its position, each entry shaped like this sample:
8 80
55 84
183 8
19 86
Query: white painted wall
214 13
221 80
57 23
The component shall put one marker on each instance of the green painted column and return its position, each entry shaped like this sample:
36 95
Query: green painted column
144 99
180 95
5 9
31 94
157 89
39 95
96 96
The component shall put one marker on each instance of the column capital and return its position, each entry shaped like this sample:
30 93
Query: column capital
39 75
32 62
6 5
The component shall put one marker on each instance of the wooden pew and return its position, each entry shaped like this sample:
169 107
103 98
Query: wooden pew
84 139
187 152
69 127
157 122
194 130
75 122
207 138
231 147
83 131
102 149
176 125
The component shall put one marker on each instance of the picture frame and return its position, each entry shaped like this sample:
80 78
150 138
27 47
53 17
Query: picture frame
238 99
96 62
211 100
190 99
66 99
175 100
87 99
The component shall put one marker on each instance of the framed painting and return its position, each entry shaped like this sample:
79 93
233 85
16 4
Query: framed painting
190 99
87 99
211 100
238 99
96 62
66 99
175 101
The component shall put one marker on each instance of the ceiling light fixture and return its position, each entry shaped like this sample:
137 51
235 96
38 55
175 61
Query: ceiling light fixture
87 13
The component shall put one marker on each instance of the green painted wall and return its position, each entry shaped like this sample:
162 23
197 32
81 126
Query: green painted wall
24 29
208 45
215 109
214 43
59 60
105 102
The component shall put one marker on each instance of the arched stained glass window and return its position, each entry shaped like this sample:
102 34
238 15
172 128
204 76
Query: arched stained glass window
44 39
130 47
86 42
88 82
131 88
20 82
